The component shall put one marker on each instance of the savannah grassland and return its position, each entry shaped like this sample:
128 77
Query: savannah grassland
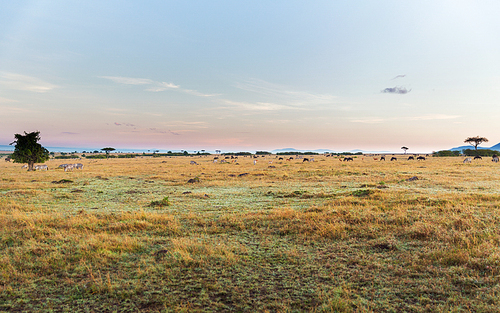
133 235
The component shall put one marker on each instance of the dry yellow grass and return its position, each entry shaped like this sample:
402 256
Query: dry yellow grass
322 236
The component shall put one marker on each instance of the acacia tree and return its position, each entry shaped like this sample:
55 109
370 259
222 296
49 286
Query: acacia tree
404 148
475 141
28 150
107 150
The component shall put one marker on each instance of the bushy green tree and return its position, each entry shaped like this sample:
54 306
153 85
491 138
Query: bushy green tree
28 150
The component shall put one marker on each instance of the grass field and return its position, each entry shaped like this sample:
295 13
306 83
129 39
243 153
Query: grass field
328 236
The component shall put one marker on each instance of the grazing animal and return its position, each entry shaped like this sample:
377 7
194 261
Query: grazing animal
62 166
477 157
467 160
24 166
280 159
41 167
78 166
382 158
69 167
7 159
494 158
348 159
394 159
411 158
305 160
193 163
375 159
421 158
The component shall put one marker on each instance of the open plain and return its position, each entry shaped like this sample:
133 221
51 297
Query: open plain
287 236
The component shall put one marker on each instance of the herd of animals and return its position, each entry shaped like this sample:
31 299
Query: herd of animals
70 167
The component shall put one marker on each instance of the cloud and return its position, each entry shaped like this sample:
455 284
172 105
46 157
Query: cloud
399 76
162 87
369 120
376 120
434 117
128 80
174 133
25 83
397 90
258 106
282 94
155 86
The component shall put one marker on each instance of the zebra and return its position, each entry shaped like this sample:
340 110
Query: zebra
494 159
41 167
62 166
24 166
78 166
193 163
467 160
69 167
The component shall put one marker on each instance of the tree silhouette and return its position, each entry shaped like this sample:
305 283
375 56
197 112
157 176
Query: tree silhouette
28 150
107 150
475 141
404 148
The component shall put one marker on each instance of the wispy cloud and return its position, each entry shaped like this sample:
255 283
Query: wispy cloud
399 76
396 90
434 117
377 120
284 95
128 80
155 85
10 109
258 106
26 83
69 133
369 120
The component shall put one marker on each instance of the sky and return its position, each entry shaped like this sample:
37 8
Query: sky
250 75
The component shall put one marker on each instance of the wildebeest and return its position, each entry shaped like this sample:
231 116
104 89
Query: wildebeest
467 160
411 158
477 157
348 159
305 160
7 159
382 158
193 163
394 159
421 158
280 159
494 158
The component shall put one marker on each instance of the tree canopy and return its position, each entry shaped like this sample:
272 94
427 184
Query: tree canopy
475 141
404 148
28 150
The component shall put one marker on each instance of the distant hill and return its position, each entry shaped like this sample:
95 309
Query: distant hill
495 147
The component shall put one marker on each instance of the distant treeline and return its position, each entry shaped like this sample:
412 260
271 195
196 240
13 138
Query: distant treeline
466 152
298 153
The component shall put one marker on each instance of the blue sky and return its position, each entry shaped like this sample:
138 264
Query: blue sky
255 75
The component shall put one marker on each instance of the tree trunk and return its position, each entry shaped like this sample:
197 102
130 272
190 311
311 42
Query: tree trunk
30 166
